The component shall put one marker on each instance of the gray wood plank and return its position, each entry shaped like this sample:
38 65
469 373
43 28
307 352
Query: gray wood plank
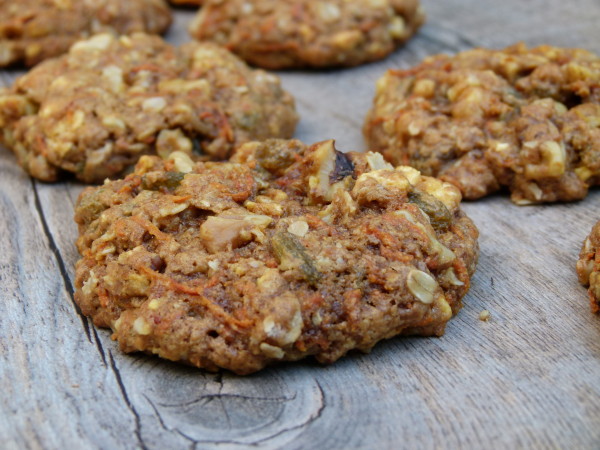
527 378
56 379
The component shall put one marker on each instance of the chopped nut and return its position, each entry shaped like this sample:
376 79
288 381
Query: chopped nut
173 209
183 163
140 326
113 123
114 77
382 186
270 282
90 285
230 231
154 304
271 351
154 104
376 161
345 40
341 207
397 27
535 190
414 129
95 43
299 228
317 319
279 334
446 193
328 12
412 175
450 276
170 141
329 167
117 323
583 173
554 160
424 88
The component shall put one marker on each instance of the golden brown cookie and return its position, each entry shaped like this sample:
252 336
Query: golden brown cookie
525 119
279 34
588 267
96 110
288 251
34 30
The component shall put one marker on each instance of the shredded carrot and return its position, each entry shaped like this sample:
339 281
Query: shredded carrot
41 144
461 272
180 198
151 228
212 306
103 297
147 66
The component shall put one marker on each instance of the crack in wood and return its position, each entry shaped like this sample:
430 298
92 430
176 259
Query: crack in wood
312 418
90 331
130 406
61 265
164 426
210 397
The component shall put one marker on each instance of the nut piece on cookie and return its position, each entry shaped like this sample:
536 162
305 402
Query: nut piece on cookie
588 267
284 252
34 30
277 34
524 119
94 111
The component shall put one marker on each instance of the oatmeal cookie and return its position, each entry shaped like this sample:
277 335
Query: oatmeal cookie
287 251
279 34
525 119
588 267
96 110
34 30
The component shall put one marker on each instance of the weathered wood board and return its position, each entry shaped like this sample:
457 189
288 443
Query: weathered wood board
528 378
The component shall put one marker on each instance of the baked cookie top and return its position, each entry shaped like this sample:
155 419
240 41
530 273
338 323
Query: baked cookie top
279 34
284 252
588 267
96 110
34 30
526 119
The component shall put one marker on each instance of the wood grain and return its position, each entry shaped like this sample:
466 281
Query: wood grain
528 378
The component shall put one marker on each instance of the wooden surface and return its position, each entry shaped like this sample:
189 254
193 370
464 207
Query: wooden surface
528 378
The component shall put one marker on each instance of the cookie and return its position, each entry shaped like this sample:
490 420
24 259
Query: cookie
588 267
285 252
523 119
34 30
96 110
278 34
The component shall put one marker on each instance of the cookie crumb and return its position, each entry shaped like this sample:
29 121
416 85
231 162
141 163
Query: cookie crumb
484 315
